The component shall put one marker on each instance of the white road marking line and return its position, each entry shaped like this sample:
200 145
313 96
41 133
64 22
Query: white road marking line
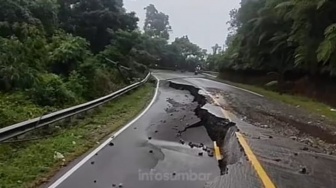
90 155
254 93
210 75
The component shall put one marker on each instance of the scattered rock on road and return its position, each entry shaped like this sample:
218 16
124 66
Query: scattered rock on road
265 126
293 137
305 148
303 170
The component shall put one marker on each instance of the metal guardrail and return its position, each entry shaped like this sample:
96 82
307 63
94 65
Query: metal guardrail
29 125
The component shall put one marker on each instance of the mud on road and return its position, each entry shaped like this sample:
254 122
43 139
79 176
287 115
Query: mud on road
293 122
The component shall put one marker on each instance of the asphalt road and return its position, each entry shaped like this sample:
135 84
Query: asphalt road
151 152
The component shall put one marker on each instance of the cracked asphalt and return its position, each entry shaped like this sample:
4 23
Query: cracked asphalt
158 151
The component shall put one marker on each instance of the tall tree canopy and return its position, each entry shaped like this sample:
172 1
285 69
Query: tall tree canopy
156 23
282 36
96 20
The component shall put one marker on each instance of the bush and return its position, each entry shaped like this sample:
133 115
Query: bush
51 91
76 84
102 84
16 107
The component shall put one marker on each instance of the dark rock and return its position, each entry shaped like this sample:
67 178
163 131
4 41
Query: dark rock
305 148
270 137
92 162
113 185
95 181
111 144
174 173
149 138
200 154
277 160
150 151
303 170
120 185
210 154
156 131
293 137
296 154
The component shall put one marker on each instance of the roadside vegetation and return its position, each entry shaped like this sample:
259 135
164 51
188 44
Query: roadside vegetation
288 43
53 53
30 163
58 53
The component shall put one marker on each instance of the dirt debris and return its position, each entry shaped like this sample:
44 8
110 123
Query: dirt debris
294 123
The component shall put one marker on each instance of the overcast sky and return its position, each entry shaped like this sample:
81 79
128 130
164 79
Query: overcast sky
204 21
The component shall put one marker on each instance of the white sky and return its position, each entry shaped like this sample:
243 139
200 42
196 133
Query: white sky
204 21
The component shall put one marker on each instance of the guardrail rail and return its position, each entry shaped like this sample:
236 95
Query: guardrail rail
32 124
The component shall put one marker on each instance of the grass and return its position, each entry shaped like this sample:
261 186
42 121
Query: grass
16 107
28 164
298 101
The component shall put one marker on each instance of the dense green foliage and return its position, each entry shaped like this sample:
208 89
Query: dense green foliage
58 53
282 36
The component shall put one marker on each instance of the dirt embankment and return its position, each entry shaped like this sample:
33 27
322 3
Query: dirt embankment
287 120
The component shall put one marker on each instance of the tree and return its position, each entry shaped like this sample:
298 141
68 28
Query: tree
192 54
156 23
96 20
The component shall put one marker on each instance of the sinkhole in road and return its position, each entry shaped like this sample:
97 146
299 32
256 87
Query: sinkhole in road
220 130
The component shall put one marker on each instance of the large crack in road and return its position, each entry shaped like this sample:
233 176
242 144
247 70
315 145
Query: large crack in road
220 130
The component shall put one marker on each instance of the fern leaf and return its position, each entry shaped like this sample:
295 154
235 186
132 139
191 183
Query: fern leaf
324 51
330 29
321 3
285 4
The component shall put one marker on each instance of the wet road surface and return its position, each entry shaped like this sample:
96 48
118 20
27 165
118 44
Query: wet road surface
166 148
